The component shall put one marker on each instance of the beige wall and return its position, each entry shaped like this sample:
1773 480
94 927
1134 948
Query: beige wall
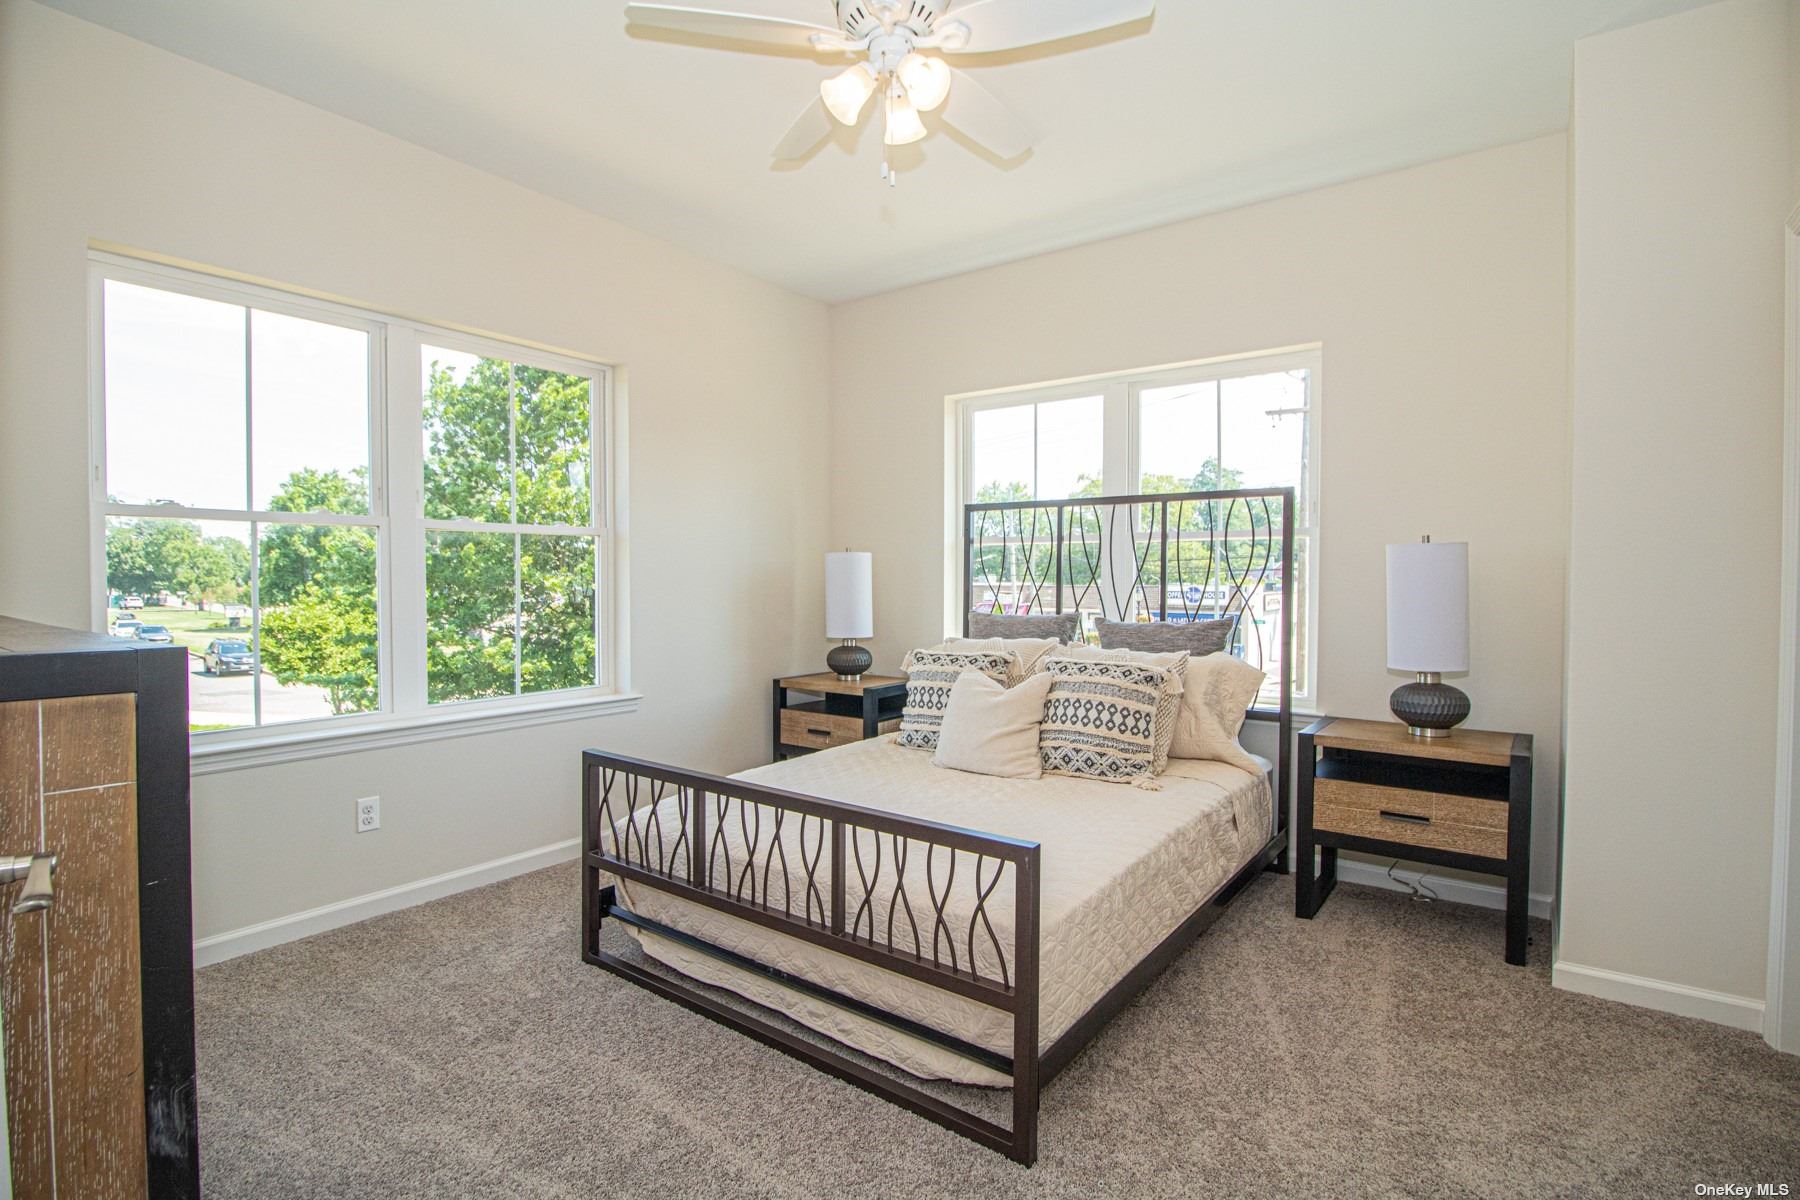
1440 297
1681 184
106 138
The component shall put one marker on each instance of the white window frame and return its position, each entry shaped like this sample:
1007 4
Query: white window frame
396 514
1120 455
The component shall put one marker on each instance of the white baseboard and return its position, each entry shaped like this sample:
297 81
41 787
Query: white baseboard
233 942
1456 891
1739 1012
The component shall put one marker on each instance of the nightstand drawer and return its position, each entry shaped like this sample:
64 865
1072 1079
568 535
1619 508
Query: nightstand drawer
819 730
1461 824
1441 807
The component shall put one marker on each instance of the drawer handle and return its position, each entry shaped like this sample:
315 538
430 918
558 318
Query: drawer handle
824 733
1408 818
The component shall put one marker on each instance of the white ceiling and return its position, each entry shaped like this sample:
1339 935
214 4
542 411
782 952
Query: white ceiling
1209 105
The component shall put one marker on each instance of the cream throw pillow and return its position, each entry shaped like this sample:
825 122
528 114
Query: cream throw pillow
1031 651
1219 691
990 729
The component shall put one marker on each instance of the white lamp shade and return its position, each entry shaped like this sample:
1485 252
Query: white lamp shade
1428 606
850 594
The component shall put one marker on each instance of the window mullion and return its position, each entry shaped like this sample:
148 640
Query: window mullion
405 611
1117 459
256 644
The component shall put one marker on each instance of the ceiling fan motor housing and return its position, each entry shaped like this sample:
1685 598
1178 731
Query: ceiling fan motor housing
863 18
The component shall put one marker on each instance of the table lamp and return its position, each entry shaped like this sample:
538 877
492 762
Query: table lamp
849 611
1428 632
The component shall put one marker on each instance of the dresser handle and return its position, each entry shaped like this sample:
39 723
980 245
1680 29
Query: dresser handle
1408 818
824 733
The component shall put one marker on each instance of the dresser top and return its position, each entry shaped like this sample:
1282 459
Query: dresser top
29 637
1390 737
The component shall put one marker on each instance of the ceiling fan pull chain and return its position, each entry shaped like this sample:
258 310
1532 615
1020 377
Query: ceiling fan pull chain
887 122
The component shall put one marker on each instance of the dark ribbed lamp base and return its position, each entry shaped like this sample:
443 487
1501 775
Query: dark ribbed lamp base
849 661
1430 707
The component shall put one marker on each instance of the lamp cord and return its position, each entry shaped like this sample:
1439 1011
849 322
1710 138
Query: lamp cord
1415 888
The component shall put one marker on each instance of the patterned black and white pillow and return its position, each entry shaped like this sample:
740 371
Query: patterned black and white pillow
930 674
1100 720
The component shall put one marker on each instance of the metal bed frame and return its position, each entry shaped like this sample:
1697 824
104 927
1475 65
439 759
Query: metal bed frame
1230 550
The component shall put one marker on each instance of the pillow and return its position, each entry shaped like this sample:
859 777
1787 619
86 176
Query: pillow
930 674
1168 708
1196 637
1064 627
1100 719
1220 689
991 729
1031 651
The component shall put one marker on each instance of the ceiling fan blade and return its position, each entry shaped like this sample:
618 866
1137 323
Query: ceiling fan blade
974 110
813 127
743 27
1008 24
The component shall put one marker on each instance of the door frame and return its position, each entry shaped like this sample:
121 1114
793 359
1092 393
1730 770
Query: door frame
1781 1025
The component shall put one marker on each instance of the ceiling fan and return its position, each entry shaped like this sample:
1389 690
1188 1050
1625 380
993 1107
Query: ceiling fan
900 43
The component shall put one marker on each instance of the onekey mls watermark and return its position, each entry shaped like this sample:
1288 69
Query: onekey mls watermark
1745 1190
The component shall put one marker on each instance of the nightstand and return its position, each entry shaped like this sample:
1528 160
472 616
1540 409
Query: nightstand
1461 801
817 712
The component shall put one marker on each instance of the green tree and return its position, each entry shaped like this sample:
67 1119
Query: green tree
154 554
336 558
1002 493
130 566
507 443
216 571
327 640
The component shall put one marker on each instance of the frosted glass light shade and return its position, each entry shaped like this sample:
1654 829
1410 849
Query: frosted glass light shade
903 124
850 594
1428 606
926 80
846 94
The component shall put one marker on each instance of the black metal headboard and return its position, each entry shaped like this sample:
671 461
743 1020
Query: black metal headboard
1182 556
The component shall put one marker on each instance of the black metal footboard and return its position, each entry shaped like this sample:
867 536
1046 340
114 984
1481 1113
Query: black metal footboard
908 896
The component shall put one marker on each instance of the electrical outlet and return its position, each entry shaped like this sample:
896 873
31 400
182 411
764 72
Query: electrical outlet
368 814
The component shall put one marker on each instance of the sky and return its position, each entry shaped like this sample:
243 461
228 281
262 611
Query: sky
1054 443
176 370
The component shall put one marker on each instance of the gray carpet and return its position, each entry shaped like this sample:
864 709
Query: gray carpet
461 1049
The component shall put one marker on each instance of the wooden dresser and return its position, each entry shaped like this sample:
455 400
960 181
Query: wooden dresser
97 984
1461 801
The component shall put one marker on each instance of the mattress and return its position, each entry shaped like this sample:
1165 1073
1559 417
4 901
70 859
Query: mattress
1120 869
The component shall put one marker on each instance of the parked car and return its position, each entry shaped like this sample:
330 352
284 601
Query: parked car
154 633
132 602
125 627
226 657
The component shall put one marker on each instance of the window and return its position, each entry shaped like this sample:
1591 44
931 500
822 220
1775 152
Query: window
510 543
348 520
1239 423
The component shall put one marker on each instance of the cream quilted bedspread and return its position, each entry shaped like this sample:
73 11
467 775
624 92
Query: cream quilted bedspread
1121 868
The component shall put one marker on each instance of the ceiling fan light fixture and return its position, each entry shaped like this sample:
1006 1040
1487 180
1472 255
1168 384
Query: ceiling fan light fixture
926 80
903 124
846 94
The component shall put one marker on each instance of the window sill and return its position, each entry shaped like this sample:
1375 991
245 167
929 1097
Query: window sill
278 744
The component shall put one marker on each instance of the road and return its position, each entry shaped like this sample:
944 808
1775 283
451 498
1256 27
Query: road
226 699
